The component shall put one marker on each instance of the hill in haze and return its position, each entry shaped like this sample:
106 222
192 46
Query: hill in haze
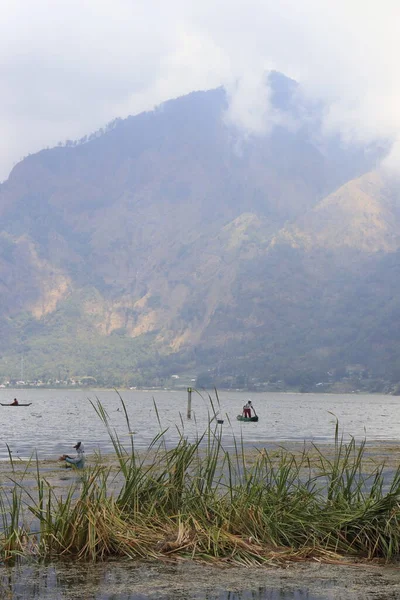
171 241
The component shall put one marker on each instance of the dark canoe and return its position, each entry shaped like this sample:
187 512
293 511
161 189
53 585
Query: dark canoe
247 419
16 404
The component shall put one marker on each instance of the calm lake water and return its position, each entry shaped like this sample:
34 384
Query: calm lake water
57 419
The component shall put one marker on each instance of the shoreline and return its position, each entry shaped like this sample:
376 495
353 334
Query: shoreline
308 492
200 391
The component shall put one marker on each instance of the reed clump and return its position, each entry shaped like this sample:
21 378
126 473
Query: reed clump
200 501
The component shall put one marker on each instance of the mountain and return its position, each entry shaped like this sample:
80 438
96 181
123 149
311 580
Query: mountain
173 241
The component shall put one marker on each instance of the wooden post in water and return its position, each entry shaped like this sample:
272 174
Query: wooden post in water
189 404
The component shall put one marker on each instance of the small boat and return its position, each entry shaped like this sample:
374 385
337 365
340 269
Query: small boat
247 419
19 404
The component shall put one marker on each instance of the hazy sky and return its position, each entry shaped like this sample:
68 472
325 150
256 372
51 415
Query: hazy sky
68 67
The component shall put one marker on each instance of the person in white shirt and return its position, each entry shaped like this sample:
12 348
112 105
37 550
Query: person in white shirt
247 408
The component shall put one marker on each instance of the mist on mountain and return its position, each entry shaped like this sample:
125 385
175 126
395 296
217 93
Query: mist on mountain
185 239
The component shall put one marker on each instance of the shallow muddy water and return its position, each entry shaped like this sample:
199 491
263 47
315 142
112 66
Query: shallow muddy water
188 581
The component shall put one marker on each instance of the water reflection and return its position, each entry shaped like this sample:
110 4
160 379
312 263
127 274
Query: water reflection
88 583
116 581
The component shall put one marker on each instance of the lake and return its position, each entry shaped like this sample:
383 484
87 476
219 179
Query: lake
57 419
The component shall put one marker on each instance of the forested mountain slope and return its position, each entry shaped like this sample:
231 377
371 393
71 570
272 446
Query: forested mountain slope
171 240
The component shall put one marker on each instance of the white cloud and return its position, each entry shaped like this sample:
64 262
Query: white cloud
249 104
67 67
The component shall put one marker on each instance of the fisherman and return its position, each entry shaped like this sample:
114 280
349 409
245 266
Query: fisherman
247 408
14 402
79 461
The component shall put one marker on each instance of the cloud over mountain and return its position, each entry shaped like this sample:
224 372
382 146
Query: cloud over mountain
67 68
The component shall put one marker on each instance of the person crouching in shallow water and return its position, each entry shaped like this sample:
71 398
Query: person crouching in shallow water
79 461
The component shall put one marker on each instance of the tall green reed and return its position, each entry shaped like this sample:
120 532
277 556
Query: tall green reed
199 500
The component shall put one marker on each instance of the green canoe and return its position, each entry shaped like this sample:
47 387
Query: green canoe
247 419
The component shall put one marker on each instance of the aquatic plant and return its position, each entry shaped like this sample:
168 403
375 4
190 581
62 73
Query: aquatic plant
198 500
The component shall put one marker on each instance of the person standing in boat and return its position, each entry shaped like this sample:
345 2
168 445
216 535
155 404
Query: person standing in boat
247 408
79 461
14 402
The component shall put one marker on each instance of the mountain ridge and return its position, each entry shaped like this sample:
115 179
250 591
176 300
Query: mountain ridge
169 240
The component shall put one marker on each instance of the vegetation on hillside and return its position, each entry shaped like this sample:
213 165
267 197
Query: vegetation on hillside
168 243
